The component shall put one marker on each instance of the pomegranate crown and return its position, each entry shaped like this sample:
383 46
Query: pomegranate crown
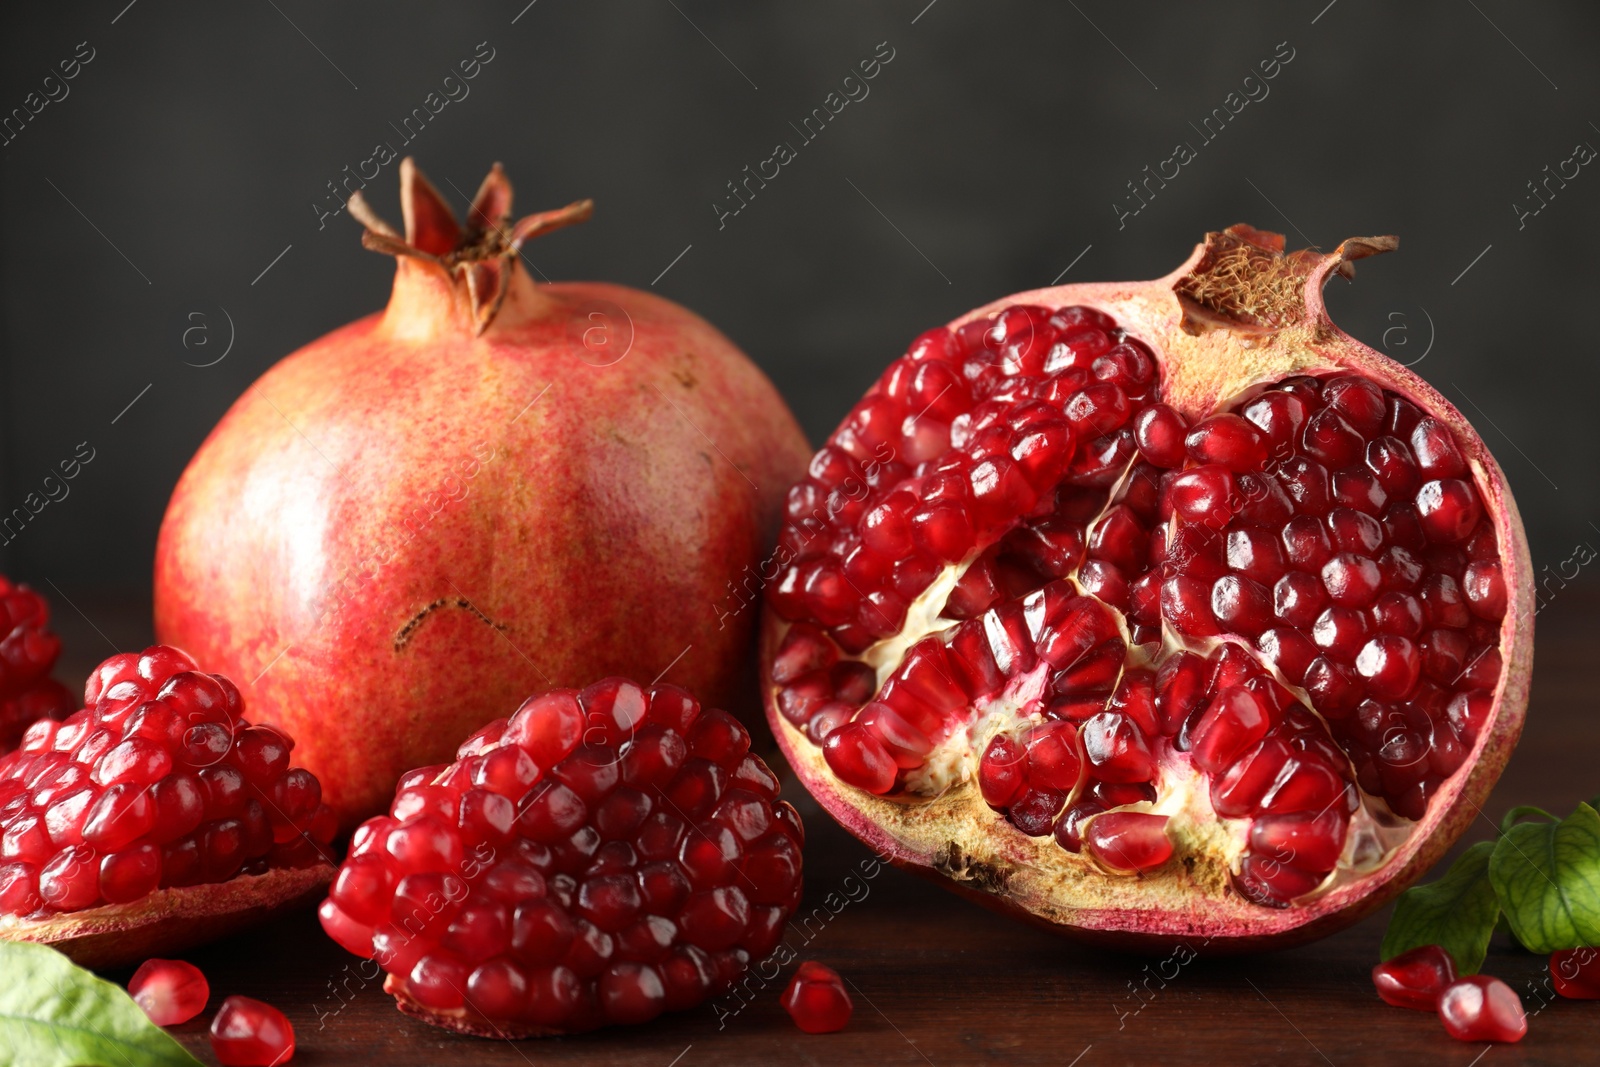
480 256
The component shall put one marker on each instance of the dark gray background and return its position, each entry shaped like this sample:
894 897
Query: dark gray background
987 157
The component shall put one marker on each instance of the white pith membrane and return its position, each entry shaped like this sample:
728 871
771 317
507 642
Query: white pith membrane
937 796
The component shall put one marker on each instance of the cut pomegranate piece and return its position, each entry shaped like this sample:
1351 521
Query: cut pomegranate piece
155 818
250 1033
540 885
169 991
816 999
1481 1008
1415 979
1246 597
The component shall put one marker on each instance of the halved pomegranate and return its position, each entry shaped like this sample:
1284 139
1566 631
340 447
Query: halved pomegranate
1155 608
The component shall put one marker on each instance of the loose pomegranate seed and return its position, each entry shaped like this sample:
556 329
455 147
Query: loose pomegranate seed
1576 973
1323 534
641 872
169 991
1415 979
250 1033
816 1000
1480 1008
127 798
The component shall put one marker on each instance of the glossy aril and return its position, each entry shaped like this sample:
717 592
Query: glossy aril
251 1033
816 999
169 991
1481 1008
28 652
637 872
527 496
1188 613
1575 973
1415 979
120 800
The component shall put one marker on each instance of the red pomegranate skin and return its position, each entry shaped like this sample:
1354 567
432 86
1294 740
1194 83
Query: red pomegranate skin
569 520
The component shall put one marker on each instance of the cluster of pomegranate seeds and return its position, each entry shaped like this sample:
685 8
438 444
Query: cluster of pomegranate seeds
600 857
1012 549
169 991
158 782
816 999
1575 973
28 651
1475 1008
250 1033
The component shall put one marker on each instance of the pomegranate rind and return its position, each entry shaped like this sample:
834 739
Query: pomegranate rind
460 1020
1220 333
169 921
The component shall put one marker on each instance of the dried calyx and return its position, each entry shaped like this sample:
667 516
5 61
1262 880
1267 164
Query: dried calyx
480 258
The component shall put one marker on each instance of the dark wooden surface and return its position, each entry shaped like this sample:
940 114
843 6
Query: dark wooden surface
939 981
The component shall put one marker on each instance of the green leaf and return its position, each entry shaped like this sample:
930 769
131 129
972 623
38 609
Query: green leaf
1458 911
1547 876
1517 814
56 1014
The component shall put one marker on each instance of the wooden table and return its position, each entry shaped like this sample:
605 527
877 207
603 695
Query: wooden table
939 981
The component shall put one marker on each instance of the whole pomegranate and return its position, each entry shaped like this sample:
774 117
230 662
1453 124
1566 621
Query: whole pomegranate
1155 609
490 488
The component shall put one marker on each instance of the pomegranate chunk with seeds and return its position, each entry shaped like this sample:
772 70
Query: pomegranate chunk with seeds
1415 979
169 991
817 1000
158 784
250 1033
599 858
1255 609
1481 1008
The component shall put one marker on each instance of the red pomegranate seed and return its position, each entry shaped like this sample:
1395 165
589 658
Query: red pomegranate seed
1054 757
1241 606
1229 440
1279 416
1480 1008
1159 433
1359 401
1415 979
1205 495
1233 721
1390 664
1485 590
1449 510
816 1000
1435 449
1002 771
249 1033
1312 839
169 991
1128 842
1576 973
